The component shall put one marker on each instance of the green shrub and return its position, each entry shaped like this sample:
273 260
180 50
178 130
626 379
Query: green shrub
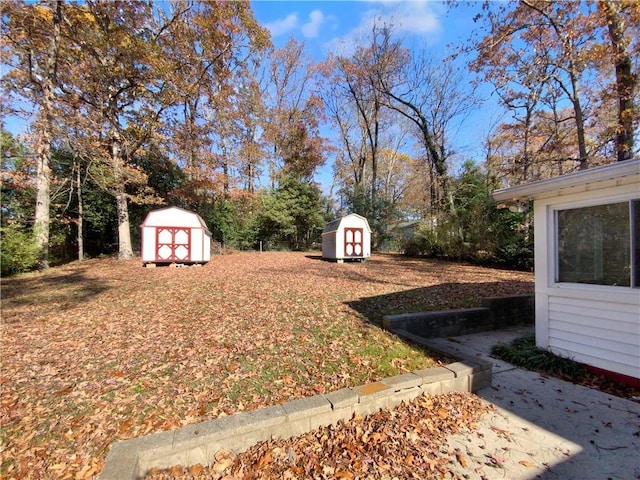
524 353
18 250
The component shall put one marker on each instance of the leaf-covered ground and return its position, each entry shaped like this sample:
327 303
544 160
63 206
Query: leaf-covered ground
106 350
408 441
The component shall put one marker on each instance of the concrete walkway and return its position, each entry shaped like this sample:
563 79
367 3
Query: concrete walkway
544 427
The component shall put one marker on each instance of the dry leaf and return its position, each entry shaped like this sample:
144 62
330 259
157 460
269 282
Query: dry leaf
344 474
222 465
461 460
496 458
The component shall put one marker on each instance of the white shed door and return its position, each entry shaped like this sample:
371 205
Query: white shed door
173 244
353 245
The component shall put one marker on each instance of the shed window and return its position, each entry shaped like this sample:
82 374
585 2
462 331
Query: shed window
599 244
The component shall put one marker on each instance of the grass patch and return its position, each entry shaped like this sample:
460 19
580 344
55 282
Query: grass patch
394 358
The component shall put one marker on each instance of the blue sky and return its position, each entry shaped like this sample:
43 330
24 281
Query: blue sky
338 26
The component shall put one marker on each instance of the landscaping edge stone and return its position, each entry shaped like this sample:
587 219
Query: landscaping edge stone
494 314
198 443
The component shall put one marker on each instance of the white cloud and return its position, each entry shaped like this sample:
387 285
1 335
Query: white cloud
291 23
282 26
413 18
416 18
311 28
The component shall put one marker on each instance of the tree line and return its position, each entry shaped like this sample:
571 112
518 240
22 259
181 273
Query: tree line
132 105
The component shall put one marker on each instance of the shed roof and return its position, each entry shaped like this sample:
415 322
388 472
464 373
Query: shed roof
628 170
166 217
334 225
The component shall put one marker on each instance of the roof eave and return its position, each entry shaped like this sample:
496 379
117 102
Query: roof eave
593 175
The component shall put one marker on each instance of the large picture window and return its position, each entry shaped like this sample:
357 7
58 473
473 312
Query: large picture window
599 244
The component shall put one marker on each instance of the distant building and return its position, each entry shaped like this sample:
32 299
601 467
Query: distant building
347 238
175 235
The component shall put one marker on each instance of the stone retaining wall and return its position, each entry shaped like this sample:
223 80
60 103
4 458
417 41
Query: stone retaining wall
496 313
198 443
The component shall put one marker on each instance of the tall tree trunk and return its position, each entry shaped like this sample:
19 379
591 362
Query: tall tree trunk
80 213
190 121
225 170
43 146
579 116
625 80
125 251
374 164
43 178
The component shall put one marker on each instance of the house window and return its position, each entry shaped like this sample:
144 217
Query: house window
599 244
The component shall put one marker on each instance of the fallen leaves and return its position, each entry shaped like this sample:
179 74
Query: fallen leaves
387 444
105 350
501 432
461 459
495 459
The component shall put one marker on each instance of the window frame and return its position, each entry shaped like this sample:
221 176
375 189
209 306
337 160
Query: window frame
633 202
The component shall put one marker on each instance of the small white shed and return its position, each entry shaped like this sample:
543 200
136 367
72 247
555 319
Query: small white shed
175 235
348 237
587 265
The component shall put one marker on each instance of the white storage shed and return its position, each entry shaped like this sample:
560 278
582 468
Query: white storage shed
175 235
348 237
587 265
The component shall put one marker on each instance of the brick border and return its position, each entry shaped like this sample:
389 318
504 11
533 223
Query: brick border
198 443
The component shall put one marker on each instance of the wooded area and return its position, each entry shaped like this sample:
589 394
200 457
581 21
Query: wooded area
133 105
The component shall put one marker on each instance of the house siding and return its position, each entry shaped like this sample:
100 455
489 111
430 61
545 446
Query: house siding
593 324
601 333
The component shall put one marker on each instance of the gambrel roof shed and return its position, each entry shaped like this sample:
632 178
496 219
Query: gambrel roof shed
587 265
175 235
348 237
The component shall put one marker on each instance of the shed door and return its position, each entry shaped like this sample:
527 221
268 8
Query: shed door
173 244
353 242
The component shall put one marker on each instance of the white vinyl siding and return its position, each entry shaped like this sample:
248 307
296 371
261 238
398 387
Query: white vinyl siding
600 333
594 324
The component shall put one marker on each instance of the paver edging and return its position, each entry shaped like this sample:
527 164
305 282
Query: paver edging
198 443
494 314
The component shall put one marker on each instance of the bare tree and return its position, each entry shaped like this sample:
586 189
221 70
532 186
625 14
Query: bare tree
429 93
